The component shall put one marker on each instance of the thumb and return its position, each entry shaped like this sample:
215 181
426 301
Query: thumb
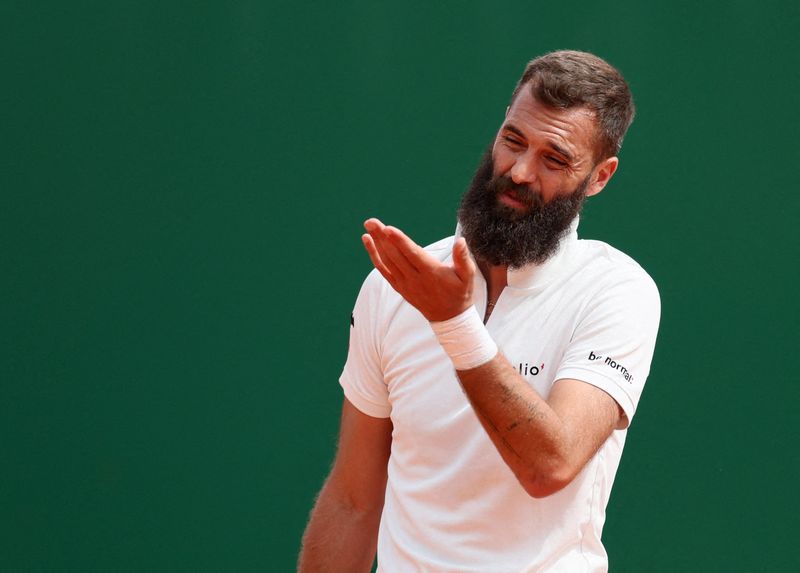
462 262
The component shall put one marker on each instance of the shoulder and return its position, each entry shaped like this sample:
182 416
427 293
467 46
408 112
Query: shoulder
603 267
600 257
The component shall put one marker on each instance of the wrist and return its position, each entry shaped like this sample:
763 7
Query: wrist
465 339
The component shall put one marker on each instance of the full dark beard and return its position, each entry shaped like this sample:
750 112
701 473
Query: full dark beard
500 235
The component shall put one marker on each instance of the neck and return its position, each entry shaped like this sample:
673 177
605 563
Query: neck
496 277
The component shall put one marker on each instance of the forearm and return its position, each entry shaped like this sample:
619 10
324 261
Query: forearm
530 436
339 536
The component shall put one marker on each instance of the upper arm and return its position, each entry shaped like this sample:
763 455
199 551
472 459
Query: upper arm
343 529
365 435
360 469
588 416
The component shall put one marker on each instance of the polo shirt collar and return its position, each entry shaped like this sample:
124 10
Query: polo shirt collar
535 275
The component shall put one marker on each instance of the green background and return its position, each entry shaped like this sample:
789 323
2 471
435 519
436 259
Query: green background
183 186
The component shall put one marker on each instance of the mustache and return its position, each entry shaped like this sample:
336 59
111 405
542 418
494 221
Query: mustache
532 198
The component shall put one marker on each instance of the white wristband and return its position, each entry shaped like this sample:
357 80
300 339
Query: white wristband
465 340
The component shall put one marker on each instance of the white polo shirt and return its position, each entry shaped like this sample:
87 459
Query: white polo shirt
589 313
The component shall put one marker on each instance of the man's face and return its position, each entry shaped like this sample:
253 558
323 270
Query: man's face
532 183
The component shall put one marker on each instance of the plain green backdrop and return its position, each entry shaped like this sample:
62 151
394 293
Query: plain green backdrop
183 187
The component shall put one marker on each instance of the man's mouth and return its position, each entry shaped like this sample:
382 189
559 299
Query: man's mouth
513 199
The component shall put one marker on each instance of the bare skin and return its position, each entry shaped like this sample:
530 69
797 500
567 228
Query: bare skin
342 532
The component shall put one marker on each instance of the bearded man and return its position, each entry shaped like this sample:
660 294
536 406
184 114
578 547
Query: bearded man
491 377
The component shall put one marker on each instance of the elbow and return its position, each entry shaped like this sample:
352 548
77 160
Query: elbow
540 488
540 484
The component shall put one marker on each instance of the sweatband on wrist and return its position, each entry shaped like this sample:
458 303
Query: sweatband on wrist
465 340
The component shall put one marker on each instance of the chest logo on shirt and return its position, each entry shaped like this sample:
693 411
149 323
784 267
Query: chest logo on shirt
525 369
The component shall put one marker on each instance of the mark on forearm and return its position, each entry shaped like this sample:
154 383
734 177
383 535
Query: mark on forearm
496 431
507 394
510 447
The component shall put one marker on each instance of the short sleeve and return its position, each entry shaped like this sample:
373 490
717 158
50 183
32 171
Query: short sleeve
613 343
362 377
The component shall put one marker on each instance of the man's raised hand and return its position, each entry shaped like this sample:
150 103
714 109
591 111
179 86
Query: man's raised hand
439 291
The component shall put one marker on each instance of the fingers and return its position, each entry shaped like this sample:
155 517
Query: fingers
385 255
375 257
416 256
463 264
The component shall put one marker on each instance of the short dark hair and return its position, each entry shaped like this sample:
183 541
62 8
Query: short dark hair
567 78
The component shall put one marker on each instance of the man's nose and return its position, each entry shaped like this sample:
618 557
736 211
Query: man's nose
523 171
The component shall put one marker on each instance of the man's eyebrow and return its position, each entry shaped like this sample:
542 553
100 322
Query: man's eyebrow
561 151
514 130
556 147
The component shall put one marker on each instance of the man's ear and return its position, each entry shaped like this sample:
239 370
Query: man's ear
602 175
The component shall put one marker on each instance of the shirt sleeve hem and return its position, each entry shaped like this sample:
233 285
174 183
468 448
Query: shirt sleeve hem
363 405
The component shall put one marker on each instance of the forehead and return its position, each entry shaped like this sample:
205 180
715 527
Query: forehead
573 128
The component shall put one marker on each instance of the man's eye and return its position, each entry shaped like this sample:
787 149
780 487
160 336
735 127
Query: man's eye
512 140
556 160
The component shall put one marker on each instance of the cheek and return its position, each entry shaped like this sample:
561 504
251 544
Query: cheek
555 185
502 160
